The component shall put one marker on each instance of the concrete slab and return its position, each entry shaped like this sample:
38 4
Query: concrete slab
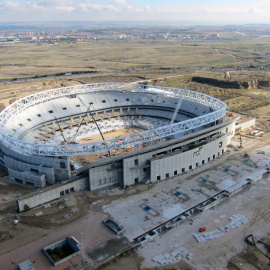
236 222
166 256
175 255
161 199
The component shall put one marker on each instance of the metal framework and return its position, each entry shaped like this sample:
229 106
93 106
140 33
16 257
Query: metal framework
218 107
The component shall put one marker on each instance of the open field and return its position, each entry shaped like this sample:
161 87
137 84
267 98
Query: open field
255 100
173 64
29 60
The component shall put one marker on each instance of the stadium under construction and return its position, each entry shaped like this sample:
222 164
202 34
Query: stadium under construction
97 135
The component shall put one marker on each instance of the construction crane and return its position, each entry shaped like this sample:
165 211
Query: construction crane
179 103
60 130
88 111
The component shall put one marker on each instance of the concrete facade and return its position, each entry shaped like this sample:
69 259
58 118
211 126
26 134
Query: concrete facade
51 193
107 175
244 125
152 164
173 164
164 160
32 170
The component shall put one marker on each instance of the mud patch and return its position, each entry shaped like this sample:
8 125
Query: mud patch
5 236
108 249
248 259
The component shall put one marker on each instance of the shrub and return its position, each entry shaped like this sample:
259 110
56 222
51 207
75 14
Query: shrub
26 207
55 257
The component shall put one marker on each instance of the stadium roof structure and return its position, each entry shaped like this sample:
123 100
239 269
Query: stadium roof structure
218 110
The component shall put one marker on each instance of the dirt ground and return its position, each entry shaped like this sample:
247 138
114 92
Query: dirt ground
85 159
215 254
30 227
108 249
13 91
133 262
232 252
248 259
111 135
229 252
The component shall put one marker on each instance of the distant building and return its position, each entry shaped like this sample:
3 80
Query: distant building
214 35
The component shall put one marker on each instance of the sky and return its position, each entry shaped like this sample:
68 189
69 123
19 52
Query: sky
225 11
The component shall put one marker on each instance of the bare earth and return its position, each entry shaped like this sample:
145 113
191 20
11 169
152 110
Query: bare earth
85 159
25 240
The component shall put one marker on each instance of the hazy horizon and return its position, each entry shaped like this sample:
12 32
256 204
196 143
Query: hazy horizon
152 23
188 12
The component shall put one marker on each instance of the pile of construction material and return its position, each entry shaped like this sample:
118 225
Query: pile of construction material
177 254
236 222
